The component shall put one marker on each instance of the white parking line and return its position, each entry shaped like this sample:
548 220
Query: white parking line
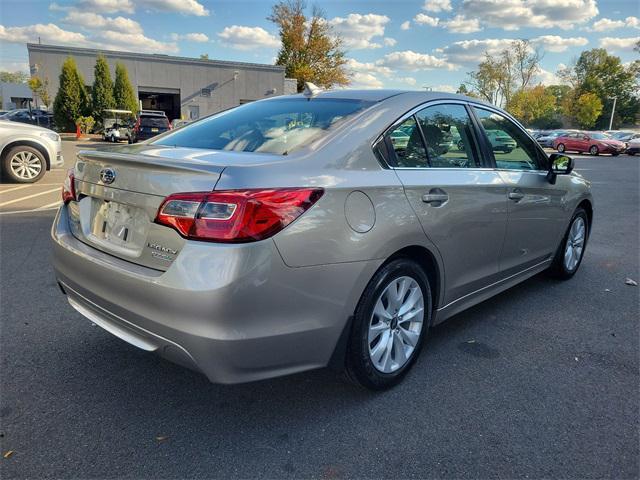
33 210
51 205
16 200
14 188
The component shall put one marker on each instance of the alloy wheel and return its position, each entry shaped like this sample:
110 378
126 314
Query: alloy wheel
396 324
593 150
575 244
25 165
561 148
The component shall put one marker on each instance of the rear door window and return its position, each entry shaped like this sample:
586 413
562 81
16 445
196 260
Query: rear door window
154 122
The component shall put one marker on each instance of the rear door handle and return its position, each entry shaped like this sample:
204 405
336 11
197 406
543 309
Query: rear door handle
516 196
435 198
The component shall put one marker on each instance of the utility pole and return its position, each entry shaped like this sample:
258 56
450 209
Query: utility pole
613 110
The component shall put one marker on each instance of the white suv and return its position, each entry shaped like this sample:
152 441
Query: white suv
27 151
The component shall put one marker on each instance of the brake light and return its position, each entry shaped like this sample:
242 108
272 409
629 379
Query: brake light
235 216
69 188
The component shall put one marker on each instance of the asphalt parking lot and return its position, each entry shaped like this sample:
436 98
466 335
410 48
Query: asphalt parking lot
541 381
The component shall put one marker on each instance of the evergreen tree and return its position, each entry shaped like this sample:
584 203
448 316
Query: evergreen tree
123 93
102 91
71 100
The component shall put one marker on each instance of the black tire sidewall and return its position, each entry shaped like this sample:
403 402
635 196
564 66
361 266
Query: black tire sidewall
359 365
558 267
6 168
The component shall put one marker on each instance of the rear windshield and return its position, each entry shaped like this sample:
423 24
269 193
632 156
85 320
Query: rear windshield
275 126
161 122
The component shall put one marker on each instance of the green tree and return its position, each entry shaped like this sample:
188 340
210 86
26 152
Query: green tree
204 56
606 76
40 88
586 110
534 107
498 77
102 91
14 77
71 100
310 51
123 93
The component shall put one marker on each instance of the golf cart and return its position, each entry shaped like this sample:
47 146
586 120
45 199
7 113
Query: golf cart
116 125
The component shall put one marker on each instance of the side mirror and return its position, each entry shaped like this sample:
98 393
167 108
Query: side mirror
559 164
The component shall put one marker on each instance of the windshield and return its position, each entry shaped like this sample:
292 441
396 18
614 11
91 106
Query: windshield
275 126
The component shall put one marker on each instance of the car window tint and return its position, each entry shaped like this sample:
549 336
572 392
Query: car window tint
512 148
407 145
157 121
448 134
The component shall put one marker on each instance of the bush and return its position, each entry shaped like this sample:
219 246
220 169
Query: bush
86 123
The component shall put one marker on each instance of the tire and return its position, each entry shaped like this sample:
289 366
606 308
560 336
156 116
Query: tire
560 147
615 154
23 164
560 267
593 150
364 363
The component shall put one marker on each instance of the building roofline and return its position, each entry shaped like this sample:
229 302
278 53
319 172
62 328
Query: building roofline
151 56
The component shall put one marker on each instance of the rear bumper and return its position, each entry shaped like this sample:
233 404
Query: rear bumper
236 313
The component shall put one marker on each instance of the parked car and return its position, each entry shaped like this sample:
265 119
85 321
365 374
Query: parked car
625 136
633 146
291 233
500 141
149 123
547 140
117 132
594 143
28 151
41 118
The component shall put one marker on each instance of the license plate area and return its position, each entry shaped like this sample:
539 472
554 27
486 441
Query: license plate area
118 227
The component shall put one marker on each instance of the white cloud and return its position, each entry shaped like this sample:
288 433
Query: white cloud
49 33
516 14
408 80
105 6
247 38
390 42
422 19
461 24
554 43
96 21
615 43
190 37
437 6
605 24
405 25
367 67
365 80
472 51
13 66
545 77
133 42
185 7
357 30
444 88
413 61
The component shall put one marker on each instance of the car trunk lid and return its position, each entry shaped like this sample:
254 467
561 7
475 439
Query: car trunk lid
119 192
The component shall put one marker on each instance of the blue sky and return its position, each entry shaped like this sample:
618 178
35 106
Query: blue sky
405 44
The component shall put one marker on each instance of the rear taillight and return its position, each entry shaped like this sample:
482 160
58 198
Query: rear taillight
69 188
235 216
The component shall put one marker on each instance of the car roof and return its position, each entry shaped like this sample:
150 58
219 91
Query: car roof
384 94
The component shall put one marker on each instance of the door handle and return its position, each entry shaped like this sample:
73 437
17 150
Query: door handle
516 196
435 198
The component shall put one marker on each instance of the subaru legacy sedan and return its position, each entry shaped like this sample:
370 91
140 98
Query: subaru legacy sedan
293 233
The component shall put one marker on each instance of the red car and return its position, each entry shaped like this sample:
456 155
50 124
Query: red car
593 142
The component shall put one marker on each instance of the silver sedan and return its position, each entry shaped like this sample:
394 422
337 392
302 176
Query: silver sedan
293 233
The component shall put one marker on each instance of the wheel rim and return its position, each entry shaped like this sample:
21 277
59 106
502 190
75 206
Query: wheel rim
25 165
396 324
594 150
561 148
575 244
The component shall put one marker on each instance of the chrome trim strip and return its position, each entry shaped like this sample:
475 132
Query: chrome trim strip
495 283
